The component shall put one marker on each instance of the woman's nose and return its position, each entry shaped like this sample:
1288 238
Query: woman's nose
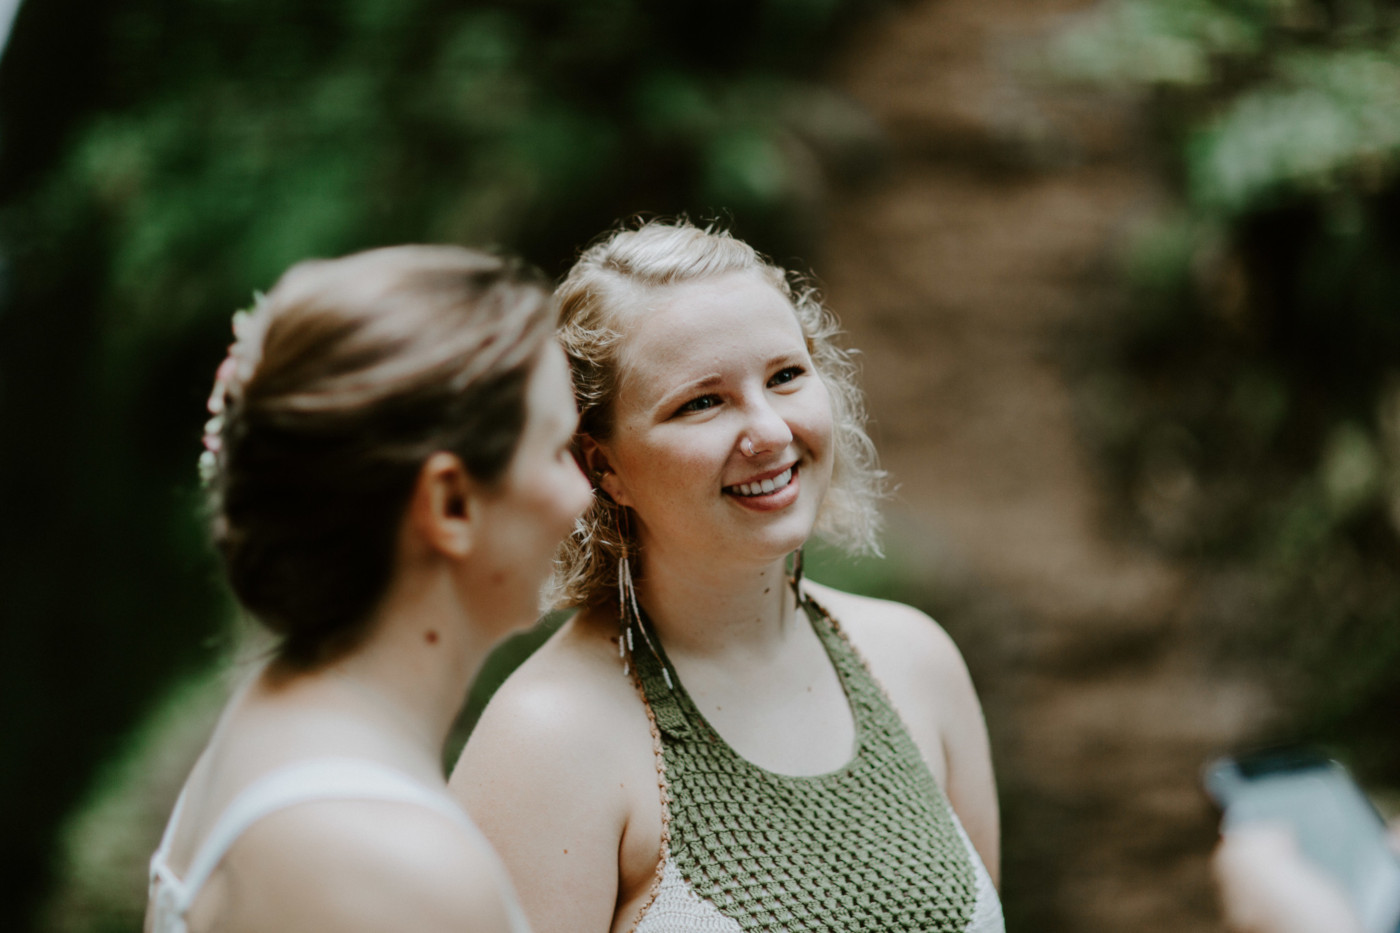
765 432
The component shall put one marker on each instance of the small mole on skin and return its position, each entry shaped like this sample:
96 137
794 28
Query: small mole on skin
767 590
431 636
566 851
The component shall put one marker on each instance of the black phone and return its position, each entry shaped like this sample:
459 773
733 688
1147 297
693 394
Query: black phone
1335 823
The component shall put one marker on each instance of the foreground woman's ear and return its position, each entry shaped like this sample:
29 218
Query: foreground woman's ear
445 505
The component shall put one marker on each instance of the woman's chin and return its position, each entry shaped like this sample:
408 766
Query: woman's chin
782 538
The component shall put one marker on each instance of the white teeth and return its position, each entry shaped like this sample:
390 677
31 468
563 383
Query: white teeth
763 487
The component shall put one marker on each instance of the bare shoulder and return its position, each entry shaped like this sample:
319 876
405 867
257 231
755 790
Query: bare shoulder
560 775
897 640
568 702
353 865
566 738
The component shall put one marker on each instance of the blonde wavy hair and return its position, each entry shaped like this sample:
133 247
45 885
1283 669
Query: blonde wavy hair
606 277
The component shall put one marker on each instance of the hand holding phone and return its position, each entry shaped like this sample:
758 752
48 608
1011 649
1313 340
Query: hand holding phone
1334 826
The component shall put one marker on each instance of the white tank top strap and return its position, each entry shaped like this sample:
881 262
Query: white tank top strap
302 782
160 875
168 836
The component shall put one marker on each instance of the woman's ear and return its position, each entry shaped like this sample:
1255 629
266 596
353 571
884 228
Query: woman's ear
599 469
444 507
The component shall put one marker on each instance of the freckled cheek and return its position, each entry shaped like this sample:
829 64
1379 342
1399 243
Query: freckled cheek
663 476
695 453
815 428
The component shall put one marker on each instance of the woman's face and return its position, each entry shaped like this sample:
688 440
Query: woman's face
535 504
722 430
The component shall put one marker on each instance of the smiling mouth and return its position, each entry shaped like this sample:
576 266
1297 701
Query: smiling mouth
763 487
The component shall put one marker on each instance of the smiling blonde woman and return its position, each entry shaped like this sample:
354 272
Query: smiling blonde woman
714 743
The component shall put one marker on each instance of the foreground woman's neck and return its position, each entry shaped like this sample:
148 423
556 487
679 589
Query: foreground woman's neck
712 613
413 670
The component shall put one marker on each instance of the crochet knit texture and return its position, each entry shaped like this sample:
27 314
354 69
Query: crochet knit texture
871 846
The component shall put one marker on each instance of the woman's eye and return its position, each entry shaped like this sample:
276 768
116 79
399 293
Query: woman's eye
700 403
786 374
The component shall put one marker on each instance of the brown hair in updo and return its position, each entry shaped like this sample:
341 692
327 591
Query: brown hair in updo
347 376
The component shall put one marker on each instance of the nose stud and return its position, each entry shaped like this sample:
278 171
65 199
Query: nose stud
746 446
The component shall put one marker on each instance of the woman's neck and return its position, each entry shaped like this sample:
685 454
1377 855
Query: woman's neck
701 613
414 668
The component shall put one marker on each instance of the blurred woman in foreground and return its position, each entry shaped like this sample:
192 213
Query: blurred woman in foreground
390 473
711 744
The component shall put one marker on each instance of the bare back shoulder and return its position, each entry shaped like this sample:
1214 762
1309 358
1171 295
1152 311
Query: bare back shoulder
356 865
560 775
923 672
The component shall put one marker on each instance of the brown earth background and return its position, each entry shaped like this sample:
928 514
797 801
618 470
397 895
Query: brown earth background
965 274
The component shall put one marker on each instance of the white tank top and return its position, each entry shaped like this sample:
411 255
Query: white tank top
314 779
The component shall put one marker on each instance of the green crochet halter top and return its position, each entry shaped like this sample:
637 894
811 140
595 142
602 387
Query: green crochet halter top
871 846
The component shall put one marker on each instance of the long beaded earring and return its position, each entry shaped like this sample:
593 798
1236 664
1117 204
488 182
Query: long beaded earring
630 613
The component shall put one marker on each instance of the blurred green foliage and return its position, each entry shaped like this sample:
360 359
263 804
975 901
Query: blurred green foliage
103 848
160 162
1249 407
1263 101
